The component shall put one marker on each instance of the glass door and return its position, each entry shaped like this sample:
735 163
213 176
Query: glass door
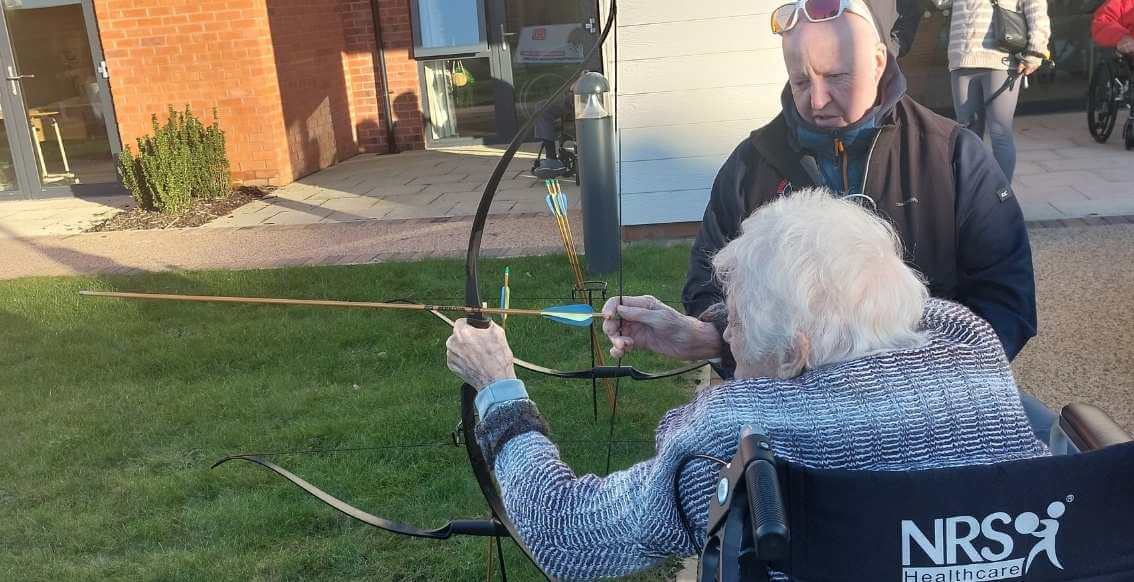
547 41
57 108
531 48
460 71
9 181
460 98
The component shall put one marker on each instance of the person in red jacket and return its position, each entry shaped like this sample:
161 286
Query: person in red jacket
1113 26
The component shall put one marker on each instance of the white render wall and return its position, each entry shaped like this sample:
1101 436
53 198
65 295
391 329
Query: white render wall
695 79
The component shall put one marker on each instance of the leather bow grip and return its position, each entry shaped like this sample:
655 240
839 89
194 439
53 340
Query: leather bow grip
479 321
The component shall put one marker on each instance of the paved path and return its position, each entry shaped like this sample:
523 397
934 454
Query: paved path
441 183
57 216
1062 173
273 246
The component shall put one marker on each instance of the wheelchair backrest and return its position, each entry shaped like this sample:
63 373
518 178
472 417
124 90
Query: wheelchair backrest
1048 519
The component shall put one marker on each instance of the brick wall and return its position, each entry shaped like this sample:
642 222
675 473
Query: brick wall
313 64
401 71
205 54
295 83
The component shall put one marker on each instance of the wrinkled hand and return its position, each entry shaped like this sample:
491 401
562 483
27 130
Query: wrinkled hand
645 323
1028 66
479 356
1126 45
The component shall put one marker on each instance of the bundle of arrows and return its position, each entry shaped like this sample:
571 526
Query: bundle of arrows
557 203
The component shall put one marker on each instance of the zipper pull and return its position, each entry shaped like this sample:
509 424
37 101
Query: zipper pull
840 153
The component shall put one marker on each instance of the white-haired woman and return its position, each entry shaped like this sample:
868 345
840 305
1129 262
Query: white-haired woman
841 357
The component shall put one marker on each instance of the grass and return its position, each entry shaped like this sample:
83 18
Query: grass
113 411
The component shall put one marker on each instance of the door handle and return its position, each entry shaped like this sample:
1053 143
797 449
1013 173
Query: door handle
504 34
15 79
12 76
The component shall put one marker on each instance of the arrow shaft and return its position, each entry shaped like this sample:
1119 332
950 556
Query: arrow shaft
318 303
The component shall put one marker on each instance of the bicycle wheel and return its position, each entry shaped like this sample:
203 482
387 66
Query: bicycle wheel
1102 102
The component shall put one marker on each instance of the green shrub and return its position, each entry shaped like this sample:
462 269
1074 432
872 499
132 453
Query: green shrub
183 159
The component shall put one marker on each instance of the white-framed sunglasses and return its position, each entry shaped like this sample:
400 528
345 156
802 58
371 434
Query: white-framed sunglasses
786 17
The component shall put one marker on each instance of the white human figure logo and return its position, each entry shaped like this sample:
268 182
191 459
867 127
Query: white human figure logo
1028 523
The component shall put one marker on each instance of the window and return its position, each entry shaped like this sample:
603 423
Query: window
443 28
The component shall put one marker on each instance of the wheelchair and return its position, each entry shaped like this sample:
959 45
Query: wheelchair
1110 90
1069 517
555 131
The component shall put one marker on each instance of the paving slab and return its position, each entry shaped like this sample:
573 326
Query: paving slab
1104 191
1040 210
57 216
1065 178
1109 207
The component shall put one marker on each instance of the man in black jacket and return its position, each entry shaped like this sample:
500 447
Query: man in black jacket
848 125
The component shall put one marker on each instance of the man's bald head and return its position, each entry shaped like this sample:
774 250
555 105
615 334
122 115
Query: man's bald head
834 68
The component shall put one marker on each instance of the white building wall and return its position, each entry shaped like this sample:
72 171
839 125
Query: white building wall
695 78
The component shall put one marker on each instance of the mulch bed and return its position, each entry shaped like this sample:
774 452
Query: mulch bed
134 218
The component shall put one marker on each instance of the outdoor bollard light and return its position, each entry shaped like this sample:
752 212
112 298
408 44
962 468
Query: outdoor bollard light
594 131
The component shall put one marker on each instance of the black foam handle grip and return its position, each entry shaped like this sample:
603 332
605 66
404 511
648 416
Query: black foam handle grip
477 527
766 508
479 321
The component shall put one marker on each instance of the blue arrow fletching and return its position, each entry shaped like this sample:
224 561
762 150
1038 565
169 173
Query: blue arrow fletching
579 315
551 204
563 203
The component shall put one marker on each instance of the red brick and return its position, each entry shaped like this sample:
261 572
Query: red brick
294 82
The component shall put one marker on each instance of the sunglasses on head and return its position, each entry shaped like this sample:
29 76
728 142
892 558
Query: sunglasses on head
786 17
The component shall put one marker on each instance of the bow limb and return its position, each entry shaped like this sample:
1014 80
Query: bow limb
470 527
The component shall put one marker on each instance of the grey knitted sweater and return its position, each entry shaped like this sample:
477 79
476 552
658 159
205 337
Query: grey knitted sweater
972 44
949 402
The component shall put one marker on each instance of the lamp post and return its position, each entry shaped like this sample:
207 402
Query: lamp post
594 134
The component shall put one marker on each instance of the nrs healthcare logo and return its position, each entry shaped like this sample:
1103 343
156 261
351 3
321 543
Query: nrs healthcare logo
965 548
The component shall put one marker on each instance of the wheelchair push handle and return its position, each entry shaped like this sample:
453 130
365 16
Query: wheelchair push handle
766 510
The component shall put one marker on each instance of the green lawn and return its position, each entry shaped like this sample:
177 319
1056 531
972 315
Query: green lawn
113 411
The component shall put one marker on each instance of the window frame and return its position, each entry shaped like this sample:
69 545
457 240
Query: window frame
432 53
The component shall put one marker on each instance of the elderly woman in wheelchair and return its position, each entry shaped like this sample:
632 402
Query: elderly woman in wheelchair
862 388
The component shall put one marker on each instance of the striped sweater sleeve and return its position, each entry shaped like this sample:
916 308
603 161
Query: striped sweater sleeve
587 527
971 42
1039 28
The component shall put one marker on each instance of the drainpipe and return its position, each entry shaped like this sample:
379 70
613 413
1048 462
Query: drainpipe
384 94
